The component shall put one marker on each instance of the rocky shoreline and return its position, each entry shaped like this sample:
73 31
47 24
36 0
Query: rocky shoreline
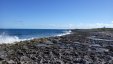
82 46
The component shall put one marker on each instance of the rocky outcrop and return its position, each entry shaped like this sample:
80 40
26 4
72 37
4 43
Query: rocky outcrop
80 47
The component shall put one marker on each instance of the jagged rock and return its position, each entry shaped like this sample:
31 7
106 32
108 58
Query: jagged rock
11 62
25 60
78 47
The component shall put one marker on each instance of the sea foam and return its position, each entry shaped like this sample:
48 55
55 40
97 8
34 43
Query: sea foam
5 38
65 33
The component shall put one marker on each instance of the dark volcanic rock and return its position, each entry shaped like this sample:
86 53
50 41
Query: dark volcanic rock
80 47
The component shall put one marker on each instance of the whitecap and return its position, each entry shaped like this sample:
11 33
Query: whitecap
65 33
5 38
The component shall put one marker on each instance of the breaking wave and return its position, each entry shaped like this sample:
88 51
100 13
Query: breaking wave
6 38
65 33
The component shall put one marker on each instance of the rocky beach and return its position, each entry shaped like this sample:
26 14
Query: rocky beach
82 46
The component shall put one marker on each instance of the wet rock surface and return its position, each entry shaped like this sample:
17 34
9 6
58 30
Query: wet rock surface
80 47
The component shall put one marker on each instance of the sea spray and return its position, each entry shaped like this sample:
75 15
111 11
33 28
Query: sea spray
65 33
17 35
5 38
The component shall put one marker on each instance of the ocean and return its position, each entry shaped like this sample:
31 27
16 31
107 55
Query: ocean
16 35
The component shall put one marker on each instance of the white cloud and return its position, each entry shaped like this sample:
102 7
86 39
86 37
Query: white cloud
112 21
58 26
94 25
79 26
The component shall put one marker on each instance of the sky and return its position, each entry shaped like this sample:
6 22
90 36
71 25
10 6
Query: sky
56 14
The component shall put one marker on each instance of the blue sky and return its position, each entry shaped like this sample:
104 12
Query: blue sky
56 14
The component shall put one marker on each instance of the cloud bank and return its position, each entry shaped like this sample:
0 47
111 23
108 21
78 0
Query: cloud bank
80 25
94 25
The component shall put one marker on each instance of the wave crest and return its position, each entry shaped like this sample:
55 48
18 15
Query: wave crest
65 33
5 38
